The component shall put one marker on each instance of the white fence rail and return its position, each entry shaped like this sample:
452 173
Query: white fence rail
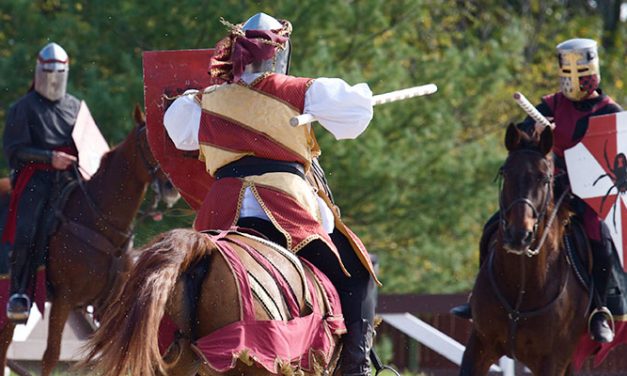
437 341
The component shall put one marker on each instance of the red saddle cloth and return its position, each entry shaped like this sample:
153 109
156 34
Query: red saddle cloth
278 346
587 347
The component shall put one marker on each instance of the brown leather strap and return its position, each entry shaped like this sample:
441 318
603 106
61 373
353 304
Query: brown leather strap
93 238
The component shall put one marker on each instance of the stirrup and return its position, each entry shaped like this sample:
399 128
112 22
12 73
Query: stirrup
378 365
19 317
608 314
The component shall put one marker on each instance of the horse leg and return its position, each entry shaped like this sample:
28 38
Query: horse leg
58 316
6 337
477 357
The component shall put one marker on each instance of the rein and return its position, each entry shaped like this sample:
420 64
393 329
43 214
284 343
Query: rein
126 234
152 168
514 313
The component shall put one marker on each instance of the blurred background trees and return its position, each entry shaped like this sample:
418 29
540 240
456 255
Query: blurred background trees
418 184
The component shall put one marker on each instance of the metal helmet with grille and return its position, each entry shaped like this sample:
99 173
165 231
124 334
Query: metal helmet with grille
280 63
578 68
51 72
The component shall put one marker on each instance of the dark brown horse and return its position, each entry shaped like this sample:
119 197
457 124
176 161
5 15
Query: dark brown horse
87 258
126 343
527 302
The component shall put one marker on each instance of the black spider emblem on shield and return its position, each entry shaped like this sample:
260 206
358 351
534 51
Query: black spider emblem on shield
618 174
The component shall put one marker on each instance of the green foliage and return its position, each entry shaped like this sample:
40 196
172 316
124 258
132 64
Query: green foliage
417 185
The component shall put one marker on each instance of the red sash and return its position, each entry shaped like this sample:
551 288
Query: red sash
8 234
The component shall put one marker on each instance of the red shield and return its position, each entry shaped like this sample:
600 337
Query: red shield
166 75
597 168
90 144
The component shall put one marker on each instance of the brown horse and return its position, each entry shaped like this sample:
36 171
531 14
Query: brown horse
87 259
127 341
527 302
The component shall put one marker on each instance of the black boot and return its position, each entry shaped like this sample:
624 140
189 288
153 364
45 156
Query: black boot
463 311
600 323
18 306
356 346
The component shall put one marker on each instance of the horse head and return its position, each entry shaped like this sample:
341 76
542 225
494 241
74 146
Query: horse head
527 186
150 170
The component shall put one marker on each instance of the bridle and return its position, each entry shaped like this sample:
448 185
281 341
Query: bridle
151 166
538 214
514 313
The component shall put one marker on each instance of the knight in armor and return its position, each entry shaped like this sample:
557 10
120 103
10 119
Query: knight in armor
39 149
261 164
579 98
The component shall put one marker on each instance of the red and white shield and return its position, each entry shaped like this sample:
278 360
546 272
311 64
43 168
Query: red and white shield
597 168
166 75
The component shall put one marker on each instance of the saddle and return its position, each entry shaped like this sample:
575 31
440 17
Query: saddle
302 306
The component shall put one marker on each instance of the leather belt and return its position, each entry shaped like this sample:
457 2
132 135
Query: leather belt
248 166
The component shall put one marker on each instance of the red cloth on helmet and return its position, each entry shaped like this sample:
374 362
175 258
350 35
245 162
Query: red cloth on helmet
234 52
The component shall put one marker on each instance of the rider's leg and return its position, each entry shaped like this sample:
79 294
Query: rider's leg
357 296
24 255
463 310
264 227
600 326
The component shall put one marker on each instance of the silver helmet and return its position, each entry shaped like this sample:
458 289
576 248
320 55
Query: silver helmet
51 72
280 63
578 68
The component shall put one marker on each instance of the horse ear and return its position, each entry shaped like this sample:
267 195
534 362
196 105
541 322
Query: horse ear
139 115
546 140
512 137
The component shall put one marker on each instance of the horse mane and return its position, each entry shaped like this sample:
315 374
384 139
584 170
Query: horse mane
107 159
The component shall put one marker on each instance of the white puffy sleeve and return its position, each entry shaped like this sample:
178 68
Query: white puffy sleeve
342 109
182 120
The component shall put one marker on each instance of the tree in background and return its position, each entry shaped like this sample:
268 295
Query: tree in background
418 185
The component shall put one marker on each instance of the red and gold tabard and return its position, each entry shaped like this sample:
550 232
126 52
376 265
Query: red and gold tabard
238 121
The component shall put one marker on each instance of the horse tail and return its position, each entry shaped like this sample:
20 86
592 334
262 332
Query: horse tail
127 341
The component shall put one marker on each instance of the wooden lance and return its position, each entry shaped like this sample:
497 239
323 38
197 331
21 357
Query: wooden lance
393 96
531 110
